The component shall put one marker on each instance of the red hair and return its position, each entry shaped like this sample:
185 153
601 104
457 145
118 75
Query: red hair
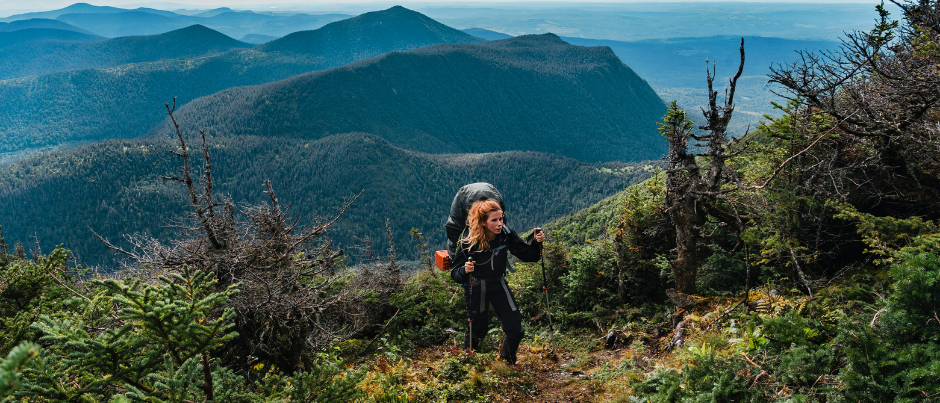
476 220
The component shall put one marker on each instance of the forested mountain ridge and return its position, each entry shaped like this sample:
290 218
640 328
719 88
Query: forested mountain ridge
486 34
799 264
42 35
531 93
125 101
39 23
125 23
50 56
377 32
74 8
117 22
114 188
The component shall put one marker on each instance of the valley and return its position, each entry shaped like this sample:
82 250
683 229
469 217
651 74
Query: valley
245 203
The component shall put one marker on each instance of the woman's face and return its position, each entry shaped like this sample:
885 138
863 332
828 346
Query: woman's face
494 222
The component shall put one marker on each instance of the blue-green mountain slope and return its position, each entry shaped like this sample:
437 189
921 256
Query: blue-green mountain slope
125 101
127 23
113 187
39 57
371 34
257 38
36 38
39 23
74 8
531 93
117 22
486 34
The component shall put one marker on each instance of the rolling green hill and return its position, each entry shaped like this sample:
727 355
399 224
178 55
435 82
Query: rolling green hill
50 56
127 23
486 34
240 23
34 38
531 93
212 13
125 101
117 22
258 38
374 33
34 23
74 8
113 187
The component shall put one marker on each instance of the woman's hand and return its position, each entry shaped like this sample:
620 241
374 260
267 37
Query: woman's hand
468 267
539 235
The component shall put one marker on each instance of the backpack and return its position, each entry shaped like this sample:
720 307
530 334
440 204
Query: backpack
460 207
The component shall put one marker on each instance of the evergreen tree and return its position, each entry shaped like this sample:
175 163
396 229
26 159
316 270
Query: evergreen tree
693 193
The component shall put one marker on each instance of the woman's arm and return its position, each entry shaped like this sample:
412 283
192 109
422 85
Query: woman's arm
458 265
523 250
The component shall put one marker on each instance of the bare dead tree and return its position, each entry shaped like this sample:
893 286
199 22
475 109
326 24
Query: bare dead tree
295 296
881 89
693 192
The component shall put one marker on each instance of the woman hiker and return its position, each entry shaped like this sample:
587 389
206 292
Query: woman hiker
480 264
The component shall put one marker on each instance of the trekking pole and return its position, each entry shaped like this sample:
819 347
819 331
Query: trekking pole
548 307
470 311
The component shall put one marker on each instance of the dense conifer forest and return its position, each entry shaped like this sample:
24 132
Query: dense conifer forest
44 51
798 263
117 22
531 93
113 188
125 101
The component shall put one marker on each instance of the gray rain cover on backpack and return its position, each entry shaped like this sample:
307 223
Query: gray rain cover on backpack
466 196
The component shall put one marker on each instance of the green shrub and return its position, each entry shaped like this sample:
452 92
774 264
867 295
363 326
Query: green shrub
153 344
11 367
803 365
30 289
710 379
790 331
721 275
912 310
590 282
326 381
429 304
896 356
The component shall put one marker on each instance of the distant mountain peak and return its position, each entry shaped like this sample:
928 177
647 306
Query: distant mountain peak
196 28
396 11
84 7
534 40
199 33
538 90
486 34
40 23
388 29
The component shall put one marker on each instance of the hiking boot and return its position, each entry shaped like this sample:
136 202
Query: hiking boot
507 351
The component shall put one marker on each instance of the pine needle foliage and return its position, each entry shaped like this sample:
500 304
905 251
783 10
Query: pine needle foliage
11 368
29 289
153 346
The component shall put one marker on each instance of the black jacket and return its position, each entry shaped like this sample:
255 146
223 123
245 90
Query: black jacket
492 264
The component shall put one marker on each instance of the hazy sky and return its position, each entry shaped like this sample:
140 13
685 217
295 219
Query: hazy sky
8 7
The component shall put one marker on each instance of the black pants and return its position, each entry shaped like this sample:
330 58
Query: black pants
494 292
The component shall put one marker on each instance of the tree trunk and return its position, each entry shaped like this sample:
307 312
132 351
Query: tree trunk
688 221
